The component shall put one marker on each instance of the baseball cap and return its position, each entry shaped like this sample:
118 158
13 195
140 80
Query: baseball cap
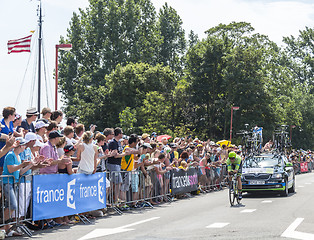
21 140
39 144
147 145
41 124
30 136
69 148
54 134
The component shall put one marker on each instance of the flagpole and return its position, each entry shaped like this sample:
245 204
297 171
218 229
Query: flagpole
39 56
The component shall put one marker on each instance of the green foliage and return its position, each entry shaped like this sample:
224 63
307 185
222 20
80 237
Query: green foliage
155 113
173 38
132 67
127 120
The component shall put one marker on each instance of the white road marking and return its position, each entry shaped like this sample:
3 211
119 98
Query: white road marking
248 210
217 225
291 233
308 183
267 201
300 186
109 231
139 222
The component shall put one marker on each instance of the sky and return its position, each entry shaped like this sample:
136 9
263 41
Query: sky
275 18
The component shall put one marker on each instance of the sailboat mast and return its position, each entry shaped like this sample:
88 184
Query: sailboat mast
39 56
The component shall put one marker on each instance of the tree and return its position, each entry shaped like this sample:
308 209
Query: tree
227 69
172 34
128 120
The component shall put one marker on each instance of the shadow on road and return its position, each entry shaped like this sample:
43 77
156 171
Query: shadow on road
238 206
265 195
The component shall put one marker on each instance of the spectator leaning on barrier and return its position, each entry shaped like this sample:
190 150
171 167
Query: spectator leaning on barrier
25 183
102 156
46 113
160 172
35 152
13 167
87 154
67 168
203 179
114 162
127 165
49 151
28 123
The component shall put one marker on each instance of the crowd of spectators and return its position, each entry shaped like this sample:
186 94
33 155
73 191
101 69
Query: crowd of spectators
41 146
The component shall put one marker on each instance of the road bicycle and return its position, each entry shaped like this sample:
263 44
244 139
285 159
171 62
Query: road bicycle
233 191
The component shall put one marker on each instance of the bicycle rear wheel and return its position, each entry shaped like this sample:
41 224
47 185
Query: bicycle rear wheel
232 195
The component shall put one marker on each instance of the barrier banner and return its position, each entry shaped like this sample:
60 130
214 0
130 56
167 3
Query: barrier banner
184 181
57 195
303 166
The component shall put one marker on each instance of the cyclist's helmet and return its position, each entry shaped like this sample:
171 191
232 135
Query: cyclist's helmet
232 155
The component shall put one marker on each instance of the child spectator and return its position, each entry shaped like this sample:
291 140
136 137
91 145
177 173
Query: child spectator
67 168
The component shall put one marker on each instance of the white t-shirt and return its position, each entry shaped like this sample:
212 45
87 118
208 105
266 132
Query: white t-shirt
70 141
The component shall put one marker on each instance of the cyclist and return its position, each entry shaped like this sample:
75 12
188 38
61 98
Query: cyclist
234 164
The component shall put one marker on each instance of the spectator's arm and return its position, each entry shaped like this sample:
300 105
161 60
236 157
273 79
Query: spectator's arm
8 146
28 165
95 158
70 169
80 149
13 168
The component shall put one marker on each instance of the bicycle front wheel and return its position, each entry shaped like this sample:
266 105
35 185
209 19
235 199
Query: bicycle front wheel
232 195
236 192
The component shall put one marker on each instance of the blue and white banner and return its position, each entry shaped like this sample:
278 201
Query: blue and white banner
58 195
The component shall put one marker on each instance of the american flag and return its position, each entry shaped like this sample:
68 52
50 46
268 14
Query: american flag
20 45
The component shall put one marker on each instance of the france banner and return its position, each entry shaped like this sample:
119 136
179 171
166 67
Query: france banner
59 195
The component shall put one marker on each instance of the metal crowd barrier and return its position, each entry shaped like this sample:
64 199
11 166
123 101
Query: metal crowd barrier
7 210
25 206
22 193
132 188
213 179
